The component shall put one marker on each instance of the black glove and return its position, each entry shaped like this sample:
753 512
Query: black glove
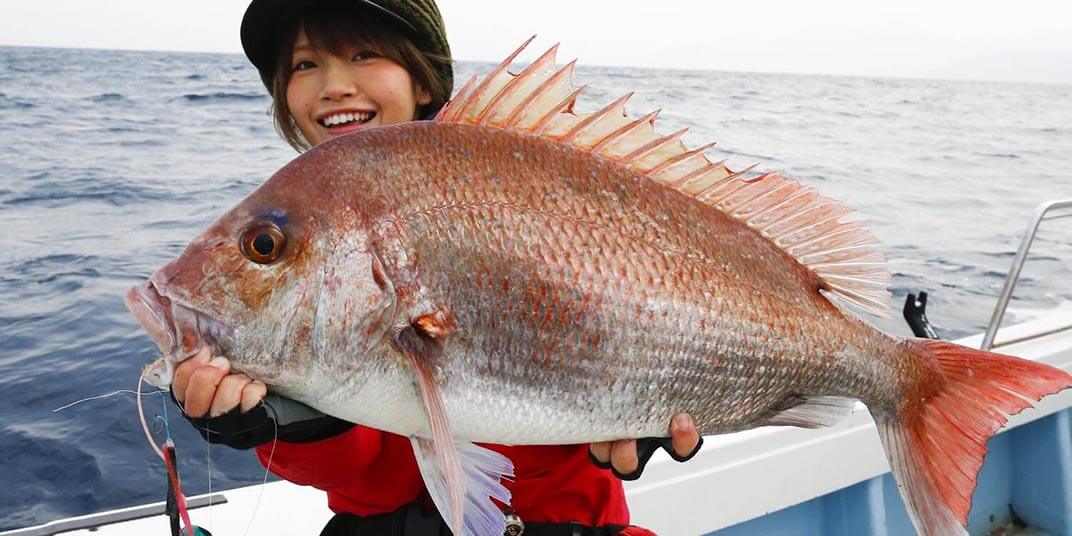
275 417
646 446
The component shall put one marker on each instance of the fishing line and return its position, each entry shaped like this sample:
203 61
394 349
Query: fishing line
113 393
267 468
144 424
211 510
169 463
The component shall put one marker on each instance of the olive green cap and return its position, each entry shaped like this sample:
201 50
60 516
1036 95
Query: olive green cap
263 22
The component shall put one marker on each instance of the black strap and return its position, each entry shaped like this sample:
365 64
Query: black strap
646 447
570 529
412 520
255 427
408 520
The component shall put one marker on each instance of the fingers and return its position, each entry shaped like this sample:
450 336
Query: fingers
623 456
683 435
600 452
228 394
201 389
253 394
186 369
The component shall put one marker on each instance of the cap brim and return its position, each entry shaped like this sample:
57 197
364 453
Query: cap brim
261 27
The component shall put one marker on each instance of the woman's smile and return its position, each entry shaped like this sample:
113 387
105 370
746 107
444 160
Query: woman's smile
342 121
334 93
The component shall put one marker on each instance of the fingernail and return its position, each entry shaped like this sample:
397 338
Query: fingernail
218 362
682 421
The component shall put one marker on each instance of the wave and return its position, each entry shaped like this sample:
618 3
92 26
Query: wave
56 195
107 97
222 96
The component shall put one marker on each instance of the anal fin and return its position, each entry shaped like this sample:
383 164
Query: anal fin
814 412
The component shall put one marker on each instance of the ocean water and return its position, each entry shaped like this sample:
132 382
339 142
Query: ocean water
111 161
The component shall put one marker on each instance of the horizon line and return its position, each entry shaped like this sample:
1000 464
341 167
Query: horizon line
611 65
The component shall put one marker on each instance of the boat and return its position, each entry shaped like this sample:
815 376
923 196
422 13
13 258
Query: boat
775 480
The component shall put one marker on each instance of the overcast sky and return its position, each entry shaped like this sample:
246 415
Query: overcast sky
1026 40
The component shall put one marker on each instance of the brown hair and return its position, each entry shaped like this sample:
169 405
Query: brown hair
334 26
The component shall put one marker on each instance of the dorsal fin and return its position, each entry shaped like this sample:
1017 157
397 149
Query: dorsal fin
805 224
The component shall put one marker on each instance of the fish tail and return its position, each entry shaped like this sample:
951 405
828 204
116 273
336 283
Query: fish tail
936 442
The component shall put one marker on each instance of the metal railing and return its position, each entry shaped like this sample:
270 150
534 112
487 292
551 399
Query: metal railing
1018 263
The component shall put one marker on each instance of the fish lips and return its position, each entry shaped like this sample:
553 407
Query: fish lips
153 312
178 331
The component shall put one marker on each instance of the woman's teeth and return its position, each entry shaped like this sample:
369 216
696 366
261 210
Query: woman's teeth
340 119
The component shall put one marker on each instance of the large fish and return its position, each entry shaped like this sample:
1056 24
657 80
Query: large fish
515 272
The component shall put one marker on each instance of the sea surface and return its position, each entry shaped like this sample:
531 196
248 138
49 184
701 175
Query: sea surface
111 161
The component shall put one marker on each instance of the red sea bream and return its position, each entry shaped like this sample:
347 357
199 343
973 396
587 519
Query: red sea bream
516 272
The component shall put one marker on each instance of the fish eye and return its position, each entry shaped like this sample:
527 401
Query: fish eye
263 243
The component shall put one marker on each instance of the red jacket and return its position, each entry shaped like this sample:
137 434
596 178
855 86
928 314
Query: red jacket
367 472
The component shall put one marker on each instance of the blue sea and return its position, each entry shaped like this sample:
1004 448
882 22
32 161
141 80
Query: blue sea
111 161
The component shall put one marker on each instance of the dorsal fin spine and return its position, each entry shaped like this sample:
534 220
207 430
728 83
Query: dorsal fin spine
613 137
540 125
795 195
759 196
837 264
447 112
499 69
854 280
653 145
570 135
679 158
802 226
532 69
801 229
551 81
714 196
704 169
844 229
830 252
717 192
762 206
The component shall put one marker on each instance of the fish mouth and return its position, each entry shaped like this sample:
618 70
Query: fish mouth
178 331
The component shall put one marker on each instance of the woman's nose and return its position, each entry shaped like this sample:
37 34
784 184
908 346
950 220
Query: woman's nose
337 84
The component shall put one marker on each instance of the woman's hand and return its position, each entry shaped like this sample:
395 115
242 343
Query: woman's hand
622 455
204 386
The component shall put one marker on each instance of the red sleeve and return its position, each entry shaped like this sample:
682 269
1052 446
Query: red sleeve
364 471
326 464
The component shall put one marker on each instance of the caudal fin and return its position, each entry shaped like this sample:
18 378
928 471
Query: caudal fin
936 445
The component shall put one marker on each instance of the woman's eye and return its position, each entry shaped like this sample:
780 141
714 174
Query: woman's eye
303 65
365 55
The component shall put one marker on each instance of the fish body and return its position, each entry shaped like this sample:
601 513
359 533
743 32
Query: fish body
579 289
505 275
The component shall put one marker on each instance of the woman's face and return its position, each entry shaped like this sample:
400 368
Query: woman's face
332 94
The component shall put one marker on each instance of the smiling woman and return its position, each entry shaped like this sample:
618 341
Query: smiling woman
331 56
330 94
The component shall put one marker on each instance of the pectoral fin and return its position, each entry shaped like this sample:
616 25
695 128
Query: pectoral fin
482 470
461 477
